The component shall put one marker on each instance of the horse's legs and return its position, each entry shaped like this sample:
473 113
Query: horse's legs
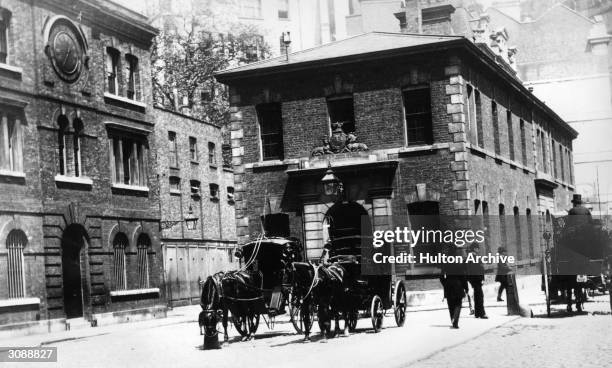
324 320
305 312
337 322
345 331
225 318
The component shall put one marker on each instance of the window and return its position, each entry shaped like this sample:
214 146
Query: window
120 242
555 171
133 77
417 109
570 167
502 225
5 18
530 227
523 142
495 120
283 9
486 220
230 194
517 233
271 130
562 162
478 109
214 191
76 145
354 7
112 69
212 154
510 134
250 8
15 242
471 115
175 184
11 141
195 188
542 151
341 111
193 149
172 150
129 160
143 244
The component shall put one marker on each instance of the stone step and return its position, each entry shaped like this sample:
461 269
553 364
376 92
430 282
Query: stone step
77 323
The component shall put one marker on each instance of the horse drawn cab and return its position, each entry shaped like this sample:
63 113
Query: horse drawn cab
271 258
368 293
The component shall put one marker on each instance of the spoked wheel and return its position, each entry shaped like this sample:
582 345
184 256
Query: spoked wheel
244 324
352 321
377 313
297 316
399 303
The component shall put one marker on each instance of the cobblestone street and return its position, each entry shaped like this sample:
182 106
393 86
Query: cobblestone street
425 341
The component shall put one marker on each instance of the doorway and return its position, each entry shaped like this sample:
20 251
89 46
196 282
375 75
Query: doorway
74 240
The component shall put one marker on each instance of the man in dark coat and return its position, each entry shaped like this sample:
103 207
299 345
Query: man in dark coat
476 279
502 274
454 281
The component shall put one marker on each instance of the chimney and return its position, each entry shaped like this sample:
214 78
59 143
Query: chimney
437 19
409 16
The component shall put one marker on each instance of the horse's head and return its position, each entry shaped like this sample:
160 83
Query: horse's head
302 275
211 292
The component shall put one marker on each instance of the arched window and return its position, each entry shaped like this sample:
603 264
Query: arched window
15 242
77 125
62 121
119 272
143 244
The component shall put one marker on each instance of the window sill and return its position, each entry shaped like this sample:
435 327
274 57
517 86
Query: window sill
134 292
193 162
19 302
12 174
124 102
131 188
500 158
213 166
424 147
175 192
76 180
11 71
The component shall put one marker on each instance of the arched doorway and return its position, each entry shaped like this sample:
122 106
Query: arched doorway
347 219
74 240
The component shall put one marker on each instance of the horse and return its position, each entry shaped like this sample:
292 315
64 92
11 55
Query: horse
238 291
321 286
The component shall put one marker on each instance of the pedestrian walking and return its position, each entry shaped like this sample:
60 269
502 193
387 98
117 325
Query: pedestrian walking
475 277
502 275
454 281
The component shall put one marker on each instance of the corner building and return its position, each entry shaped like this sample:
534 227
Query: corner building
440 126
80 210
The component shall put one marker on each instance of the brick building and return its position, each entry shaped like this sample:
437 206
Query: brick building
79 200
194 184
449 130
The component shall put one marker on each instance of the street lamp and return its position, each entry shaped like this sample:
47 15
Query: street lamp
190 221
331 184
286 41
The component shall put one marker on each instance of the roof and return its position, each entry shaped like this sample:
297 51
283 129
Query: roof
366 43
376 46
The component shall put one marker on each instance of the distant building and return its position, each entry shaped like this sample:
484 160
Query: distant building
79 199
310 23
194 184
565 58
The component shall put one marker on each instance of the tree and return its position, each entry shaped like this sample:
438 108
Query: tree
184 63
